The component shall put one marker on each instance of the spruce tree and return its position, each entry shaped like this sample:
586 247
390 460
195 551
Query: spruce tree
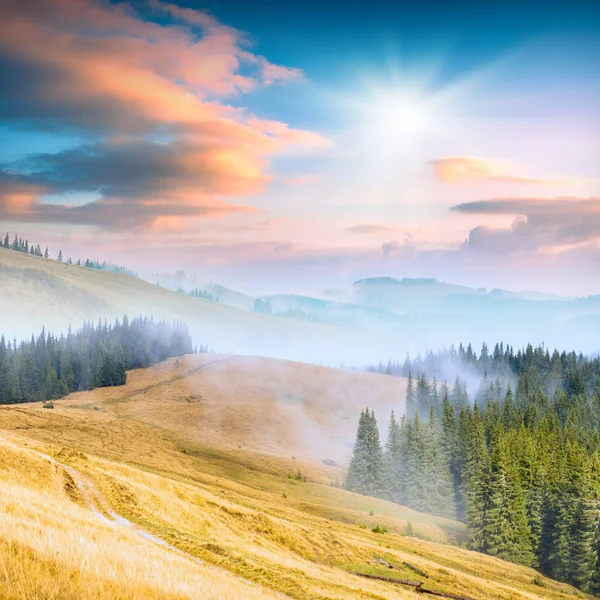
507 533
364 473
5 374
450 449
423 400
411 404
442 489
584 533
458 396
392 461
477 482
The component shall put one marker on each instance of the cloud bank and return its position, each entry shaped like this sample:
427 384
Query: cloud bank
146 88
540 223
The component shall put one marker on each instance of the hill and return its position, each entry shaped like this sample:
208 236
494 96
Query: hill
261 405
372 321
145 490
38 292
433 314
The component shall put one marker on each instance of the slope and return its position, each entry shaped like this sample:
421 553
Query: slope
158 456
37 293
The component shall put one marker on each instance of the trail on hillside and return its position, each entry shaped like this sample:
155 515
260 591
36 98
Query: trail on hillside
169 380
99 506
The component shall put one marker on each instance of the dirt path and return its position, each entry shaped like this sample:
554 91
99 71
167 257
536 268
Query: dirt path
99 506
169 380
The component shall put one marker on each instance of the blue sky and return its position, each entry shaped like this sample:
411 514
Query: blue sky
287 146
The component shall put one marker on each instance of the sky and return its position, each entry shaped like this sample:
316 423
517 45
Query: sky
297 146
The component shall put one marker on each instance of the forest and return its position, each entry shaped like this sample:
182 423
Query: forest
518 459
47 367
22 245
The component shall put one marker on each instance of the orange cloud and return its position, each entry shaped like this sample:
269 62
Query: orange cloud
108 69
467 169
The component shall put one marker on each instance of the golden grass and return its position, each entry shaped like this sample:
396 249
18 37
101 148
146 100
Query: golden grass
52 548
233 507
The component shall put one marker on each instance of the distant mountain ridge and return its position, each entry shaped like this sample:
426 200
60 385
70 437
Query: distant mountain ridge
393 281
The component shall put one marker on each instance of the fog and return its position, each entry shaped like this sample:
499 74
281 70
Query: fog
360 325
365 323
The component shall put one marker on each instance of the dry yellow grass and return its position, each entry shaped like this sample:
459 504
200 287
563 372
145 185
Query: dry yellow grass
165 468
262 405
51 547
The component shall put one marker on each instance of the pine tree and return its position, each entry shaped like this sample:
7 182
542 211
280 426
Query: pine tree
60 256
435 397
51 389
507 533
458 397
449 447
364 473
392 461
411 404
67 376
442 488
477 482
415 477
422 396
46 253
5 372
584 533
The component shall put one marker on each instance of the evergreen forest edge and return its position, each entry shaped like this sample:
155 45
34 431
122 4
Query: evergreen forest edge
521 468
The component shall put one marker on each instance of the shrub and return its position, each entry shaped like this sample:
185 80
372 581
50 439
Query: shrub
379 529
538 581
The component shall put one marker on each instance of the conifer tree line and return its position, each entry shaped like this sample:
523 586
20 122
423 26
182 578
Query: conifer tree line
198 293
20 245
518 461
49 367
501 362
101 266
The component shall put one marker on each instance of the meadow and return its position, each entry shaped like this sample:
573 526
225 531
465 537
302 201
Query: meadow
244 515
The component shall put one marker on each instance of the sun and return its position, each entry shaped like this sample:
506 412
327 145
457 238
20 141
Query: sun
402 114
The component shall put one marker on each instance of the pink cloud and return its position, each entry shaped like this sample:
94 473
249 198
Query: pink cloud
302 179
368 229
268 225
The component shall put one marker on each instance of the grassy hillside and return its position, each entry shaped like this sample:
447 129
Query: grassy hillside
38 292
176 455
